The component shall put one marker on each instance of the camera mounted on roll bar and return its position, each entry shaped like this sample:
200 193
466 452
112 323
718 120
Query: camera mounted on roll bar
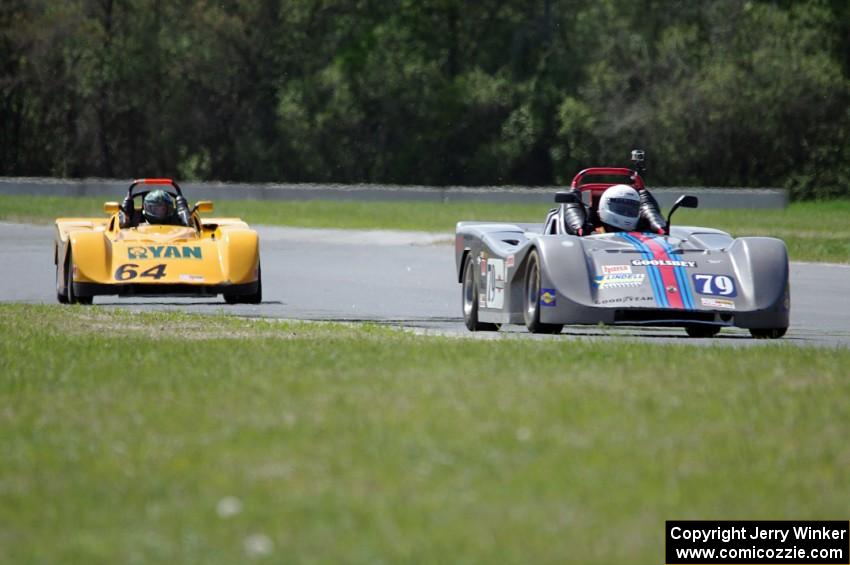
639 162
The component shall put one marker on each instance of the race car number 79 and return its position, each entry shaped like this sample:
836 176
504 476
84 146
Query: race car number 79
719 285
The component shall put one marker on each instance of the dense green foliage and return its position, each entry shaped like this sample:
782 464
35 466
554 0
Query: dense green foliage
165 438
728 92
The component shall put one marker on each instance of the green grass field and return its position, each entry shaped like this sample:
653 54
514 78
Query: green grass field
170 438
813 231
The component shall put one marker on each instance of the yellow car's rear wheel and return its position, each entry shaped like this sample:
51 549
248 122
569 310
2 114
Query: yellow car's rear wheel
254 298
61 293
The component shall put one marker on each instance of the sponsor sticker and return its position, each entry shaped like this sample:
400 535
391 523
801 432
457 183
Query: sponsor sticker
619 280
495 292
718 303
616 269
192 278
509 261
142 252
663 263
548 297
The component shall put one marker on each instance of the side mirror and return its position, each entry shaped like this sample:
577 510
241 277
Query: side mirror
204 206
567 198
684 201
111 207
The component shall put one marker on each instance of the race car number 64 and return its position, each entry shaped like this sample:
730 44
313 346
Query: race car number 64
128 271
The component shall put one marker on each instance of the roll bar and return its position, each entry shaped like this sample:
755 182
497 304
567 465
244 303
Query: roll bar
166 182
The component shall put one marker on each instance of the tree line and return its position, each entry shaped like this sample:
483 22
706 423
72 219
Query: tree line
443 92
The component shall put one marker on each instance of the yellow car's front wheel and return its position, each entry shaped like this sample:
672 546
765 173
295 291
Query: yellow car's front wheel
69 283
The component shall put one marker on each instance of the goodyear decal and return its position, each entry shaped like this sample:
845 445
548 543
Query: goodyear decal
164 252
548 297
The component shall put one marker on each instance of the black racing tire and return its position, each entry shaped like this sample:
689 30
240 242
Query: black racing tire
69 283
702 331
253 298
470 300
768 333
61 293
531 299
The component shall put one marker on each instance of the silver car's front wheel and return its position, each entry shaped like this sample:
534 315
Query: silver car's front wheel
470 300
531 312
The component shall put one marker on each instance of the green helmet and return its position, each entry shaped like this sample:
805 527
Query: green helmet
158 207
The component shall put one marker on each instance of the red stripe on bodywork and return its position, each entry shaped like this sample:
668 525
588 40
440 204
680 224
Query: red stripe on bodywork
668 275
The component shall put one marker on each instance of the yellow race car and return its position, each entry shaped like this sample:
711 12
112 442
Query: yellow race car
152 244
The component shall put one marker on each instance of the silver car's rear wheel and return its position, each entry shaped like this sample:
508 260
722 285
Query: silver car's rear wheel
470 300
531 311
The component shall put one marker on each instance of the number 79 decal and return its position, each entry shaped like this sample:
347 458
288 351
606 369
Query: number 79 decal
715 285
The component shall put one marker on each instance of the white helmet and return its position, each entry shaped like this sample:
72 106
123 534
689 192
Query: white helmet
619 207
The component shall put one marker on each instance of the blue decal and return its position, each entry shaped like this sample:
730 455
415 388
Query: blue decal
681 276
548 297
652 271
715 285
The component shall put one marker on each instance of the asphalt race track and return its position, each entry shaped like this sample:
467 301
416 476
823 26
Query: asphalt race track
398 278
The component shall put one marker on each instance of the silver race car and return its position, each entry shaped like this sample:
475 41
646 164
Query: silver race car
544 276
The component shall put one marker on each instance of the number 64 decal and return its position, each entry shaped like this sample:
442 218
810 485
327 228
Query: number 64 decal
129 271
717 285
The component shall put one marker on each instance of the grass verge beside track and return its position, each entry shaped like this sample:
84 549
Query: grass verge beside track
814 231
151 437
